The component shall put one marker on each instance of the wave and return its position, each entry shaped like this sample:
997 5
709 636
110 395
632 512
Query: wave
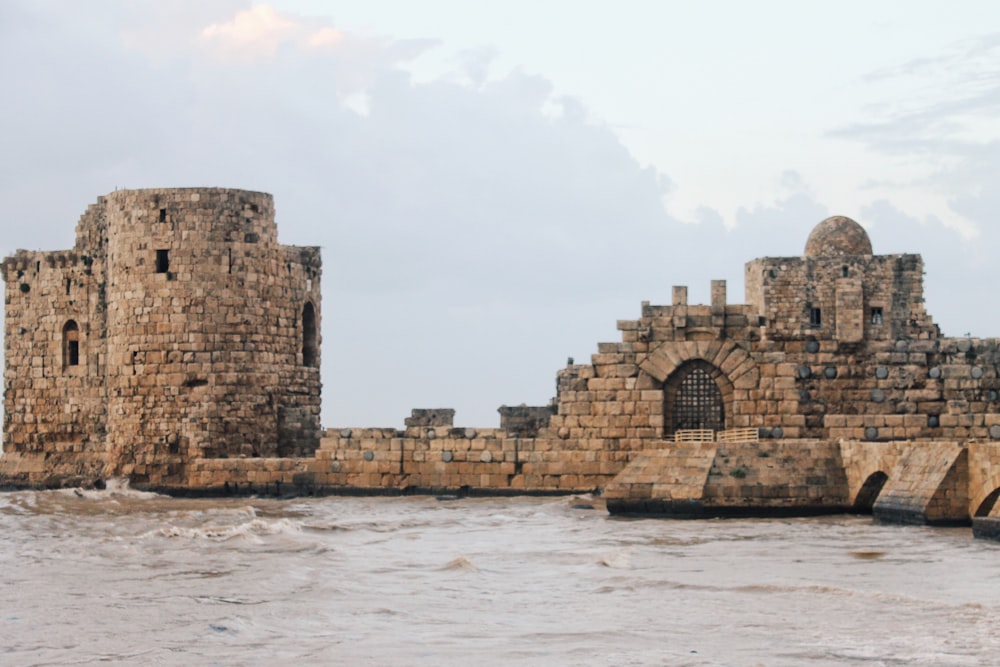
220 533
114 487
460 563
620 560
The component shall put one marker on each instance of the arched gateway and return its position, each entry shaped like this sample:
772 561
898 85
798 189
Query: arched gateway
693 398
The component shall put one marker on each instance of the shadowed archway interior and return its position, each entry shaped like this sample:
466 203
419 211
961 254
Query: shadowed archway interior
695 397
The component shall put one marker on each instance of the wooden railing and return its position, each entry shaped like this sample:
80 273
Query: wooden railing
708 435
739 435
694 435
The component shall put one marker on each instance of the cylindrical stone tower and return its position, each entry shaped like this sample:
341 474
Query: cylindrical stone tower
212 331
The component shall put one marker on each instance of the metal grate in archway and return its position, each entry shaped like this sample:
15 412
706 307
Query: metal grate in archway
697 403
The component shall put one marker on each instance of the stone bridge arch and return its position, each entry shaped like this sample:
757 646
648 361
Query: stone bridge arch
986 506
909 481
984 489
984 479
864 498
863 461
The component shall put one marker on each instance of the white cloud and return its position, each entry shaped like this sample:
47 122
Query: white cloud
254 33
936 121
478 227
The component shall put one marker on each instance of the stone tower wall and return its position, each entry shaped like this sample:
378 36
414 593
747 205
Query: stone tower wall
204 322
783 290
54 403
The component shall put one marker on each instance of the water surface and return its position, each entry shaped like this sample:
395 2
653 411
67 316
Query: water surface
124 577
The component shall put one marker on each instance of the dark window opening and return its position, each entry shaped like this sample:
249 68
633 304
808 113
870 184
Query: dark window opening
310 351
69 282
162 261
877 315
815 317
163 215
230 260
71 344
846 272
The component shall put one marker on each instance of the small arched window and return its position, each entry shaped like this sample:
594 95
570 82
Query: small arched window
310 352
71 344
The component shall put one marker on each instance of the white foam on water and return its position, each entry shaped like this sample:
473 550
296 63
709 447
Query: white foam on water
252 528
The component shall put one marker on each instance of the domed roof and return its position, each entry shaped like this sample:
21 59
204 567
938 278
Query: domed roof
838 236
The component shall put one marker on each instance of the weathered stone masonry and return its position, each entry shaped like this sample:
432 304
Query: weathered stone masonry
177 328
178 344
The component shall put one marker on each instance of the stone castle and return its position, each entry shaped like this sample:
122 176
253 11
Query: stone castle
177 328
178 344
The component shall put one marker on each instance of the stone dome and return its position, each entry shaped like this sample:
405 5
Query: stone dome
838 236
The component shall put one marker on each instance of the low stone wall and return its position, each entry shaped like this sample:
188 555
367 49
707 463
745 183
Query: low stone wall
50 470
420 458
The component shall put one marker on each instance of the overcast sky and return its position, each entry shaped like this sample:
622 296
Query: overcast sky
495 184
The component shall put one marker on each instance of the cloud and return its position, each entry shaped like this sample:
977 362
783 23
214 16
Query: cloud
463 226
257 32
938 122
477 228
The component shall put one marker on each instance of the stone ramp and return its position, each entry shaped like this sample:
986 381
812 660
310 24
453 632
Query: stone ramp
928 485
668 481
765 478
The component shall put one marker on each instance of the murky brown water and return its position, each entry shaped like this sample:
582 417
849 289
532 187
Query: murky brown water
127 578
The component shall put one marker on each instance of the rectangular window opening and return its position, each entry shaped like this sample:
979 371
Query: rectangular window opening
73 353
69 282
162 261
877 315
163 215
815 317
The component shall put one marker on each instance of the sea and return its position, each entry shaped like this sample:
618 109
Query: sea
119 576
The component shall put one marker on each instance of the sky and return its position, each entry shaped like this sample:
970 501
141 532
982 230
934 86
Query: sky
494 185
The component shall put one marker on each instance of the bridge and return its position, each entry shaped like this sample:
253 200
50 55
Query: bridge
931 482
703 473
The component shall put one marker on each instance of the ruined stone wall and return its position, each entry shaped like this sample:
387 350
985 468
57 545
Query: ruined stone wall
437 459
55 351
